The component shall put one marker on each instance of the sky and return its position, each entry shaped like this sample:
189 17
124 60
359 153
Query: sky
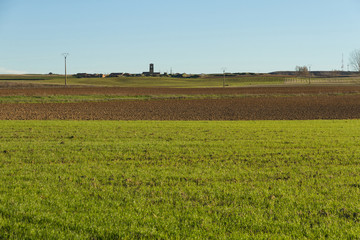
187 36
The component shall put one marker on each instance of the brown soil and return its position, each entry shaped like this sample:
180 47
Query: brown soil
247 108
127 91
20 85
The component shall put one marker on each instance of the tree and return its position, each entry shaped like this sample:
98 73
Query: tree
302 71
355 59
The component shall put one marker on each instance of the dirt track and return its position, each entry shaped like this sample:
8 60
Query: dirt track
247 108
126 91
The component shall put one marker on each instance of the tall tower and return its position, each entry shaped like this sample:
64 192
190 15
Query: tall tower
151 68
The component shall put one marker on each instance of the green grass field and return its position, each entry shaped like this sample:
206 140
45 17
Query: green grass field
106 98
180 180
145 81
207 81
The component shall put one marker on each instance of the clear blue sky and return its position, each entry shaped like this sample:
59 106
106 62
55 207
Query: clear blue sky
193 36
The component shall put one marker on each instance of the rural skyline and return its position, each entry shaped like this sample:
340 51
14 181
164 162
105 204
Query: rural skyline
187 36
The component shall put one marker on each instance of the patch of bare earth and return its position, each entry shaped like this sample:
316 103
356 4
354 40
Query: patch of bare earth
247 108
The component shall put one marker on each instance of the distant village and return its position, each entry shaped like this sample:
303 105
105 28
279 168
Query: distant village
301 71
150 73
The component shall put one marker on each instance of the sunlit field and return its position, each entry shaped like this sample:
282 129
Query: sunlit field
173 179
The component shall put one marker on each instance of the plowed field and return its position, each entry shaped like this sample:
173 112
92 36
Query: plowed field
126 91
246 108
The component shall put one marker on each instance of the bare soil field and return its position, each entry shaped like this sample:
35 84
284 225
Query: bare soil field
128 91
267 103
247 108
19 85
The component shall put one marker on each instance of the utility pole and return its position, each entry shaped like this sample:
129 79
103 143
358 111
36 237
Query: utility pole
65 56
224 77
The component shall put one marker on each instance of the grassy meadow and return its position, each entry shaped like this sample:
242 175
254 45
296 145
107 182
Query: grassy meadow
204 81
179 179
145 81
108 97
